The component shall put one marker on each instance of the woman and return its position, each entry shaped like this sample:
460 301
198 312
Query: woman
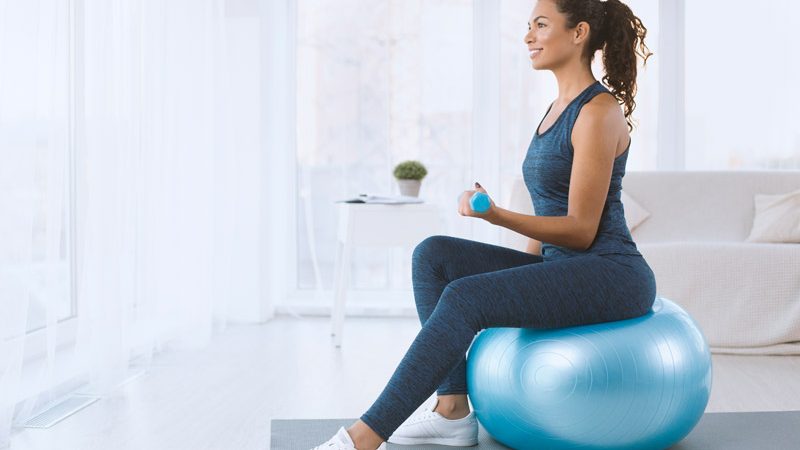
581 267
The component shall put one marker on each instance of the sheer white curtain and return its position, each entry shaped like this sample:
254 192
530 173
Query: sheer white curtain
147 203
146 143
34 136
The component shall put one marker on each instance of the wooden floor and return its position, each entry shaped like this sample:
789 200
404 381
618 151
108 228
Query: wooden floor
224 396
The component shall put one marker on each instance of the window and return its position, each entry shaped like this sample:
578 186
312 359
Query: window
741 86
378 82
35 138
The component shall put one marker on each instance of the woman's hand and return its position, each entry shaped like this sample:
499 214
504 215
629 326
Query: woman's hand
465 209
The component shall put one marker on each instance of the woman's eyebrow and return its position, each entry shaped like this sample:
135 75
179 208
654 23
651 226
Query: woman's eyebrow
537 18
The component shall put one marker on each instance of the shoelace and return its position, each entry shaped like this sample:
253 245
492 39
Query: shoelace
424 415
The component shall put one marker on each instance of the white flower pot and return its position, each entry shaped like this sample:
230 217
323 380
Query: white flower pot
409 188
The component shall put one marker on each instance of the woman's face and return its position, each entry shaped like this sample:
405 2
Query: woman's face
550 43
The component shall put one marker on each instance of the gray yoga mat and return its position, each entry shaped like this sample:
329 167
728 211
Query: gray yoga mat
770 430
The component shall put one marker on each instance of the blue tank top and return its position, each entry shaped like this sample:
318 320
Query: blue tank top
546 170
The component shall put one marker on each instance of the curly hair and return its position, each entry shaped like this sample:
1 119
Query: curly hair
618 32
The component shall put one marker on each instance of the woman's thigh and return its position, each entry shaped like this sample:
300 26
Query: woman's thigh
579 290
450 258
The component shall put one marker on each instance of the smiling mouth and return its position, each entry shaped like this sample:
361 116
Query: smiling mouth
535 52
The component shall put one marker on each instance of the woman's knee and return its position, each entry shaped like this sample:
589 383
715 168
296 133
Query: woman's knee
430 246
433 251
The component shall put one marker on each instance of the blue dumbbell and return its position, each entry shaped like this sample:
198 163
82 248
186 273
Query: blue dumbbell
479 202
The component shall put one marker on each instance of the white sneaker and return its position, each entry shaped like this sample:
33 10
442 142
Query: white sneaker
427 426
342 441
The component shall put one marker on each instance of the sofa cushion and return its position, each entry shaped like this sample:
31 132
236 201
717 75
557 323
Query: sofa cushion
635 213
776 218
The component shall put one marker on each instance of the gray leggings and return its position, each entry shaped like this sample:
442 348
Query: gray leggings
462 287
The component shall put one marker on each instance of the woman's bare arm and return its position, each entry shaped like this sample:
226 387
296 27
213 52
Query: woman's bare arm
534 247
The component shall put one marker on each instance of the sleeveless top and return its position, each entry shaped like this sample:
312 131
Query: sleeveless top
546 171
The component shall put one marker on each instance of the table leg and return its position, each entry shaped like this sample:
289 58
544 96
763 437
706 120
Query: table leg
340 292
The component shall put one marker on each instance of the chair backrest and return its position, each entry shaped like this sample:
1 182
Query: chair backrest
683 205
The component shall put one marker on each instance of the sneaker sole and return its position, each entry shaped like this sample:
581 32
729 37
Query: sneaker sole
456 442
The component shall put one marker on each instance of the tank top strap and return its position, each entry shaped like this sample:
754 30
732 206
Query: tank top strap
583 98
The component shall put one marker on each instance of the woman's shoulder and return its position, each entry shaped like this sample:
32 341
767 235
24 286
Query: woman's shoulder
603 107
602 101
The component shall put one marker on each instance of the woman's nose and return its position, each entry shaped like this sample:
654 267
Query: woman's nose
528 36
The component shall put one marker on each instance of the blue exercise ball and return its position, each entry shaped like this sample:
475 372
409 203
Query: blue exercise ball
640 383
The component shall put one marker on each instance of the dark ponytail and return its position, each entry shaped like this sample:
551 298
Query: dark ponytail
616 31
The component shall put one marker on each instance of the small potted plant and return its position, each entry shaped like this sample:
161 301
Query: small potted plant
409 175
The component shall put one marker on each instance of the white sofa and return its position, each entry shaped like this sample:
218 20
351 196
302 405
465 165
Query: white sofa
744 296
